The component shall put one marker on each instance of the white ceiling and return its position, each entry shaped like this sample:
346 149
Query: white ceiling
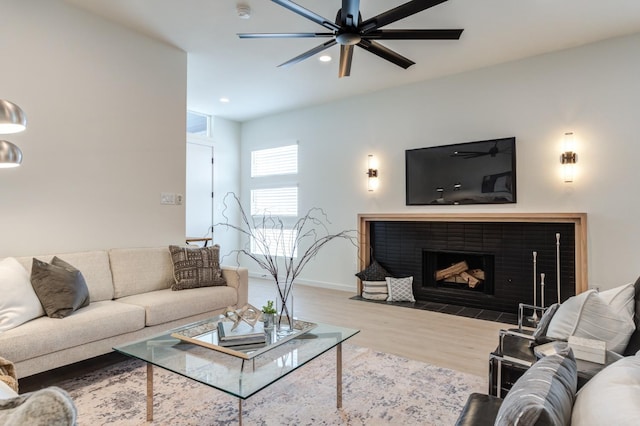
245 71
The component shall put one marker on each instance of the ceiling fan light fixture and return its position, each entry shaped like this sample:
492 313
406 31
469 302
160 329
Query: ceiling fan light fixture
348 39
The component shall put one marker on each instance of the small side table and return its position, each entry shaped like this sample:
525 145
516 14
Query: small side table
206 240
514 356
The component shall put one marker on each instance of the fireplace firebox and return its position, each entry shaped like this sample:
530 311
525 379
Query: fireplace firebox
458 271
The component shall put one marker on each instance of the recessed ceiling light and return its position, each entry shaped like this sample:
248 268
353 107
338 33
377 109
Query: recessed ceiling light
325 58
224 100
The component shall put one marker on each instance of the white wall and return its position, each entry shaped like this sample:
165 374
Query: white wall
105 136
592 90
226 179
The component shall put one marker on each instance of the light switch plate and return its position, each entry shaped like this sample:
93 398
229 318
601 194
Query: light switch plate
167 198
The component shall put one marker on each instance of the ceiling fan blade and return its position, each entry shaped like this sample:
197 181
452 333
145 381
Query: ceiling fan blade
396 14
386 53
296 8
414 35
309 53
346 56
350 12
284 35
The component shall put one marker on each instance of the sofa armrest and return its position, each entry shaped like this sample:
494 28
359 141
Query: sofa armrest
480 410
238 278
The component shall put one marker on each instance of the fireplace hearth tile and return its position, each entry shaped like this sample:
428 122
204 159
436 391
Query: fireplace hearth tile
481 314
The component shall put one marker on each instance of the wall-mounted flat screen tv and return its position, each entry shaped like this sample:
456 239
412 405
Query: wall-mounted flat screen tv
482 172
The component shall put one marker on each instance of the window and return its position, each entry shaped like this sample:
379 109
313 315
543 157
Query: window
275 201
275 193
276 241
275 161
198 124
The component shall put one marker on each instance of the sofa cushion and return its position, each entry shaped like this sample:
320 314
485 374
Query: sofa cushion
139 270
544 394
195 267
94 266
18 303
611 397
591 316
44 335
166 305
60 287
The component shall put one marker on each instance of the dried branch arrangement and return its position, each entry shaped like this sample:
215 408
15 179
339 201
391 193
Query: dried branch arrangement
282 251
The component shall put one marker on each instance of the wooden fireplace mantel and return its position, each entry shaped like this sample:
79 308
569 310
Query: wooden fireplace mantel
579 221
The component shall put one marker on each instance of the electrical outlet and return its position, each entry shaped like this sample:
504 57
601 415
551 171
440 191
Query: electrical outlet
167 198
179 199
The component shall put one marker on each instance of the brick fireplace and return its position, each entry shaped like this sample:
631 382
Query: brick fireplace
501 246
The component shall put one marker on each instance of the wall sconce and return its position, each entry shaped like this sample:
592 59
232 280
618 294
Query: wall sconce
569 157
372 174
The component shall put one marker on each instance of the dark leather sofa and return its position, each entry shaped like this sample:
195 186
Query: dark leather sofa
482 410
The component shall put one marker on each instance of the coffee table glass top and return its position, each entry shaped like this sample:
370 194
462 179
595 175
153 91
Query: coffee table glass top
236 376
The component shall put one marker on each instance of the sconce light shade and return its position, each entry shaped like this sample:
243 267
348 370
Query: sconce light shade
10 155
372 173
569 157
12 118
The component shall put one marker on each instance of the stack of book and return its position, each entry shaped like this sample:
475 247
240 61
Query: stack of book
243 335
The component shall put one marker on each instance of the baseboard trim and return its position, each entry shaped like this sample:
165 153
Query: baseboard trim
310 283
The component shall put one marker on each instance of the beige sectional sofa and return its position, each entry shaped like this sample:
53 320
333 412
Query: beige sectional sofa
131 299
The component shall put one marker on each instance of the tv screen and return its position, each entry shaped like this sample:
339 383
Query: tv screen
482 172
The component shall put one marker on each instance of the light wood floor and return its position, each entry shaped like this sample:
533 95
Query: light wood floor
450 341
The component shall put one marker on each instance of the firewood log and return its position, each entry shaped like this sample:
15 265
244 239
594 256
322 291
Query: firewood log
452 270
471 280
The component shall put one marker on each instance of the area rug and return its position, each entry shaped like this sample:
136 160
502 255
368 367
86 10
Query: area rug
378 389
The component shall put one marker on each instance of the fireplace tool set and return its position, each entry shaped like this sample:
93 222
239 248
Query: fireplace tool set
533 319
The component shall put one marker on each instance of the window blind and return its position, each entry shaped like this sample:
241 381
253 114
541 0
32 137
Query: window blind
274 161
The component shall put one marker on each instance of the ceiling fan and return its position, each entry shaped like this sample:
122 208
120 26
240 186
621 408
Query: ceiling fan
350 30
493 151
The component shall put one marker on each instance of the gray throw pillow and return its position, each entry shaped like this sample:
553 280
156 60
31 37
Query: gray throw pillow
373 272
195 267
60 287
544 395
543 325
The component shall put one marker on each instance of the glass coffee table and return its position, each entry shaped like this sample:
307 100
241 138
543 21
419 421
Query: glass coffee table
242 374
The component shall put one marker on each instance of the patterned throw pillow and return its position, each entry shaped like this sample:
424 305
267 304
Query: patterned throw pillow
400 289
196 267
375 290
373 272
544 395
